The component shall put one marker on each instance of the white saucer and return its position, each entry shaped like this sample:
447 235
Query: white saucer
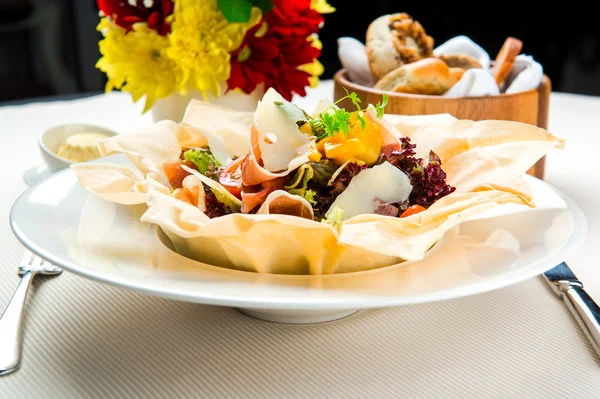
82 233
36 174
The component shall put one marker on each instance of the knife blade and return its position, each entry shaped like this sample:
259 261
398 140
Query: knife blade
565 284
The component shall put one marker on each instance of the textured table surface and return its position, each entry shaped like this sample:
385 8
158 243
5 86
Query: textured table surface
86 339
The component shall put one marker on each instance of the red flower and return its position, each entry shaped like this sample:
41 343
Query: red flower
274 61
274 58
296 51
252 61
293 17
288 80
284 76
125 15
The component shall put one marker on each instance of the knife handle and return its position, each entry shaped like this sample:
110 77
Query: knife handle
586 312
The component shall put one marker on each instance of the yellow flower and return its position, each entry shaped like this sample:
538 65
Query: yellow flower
315 68
321 6
136 62
200 43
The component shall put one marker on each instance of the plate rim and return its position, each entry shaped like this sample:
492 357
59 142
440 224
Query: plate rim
574 241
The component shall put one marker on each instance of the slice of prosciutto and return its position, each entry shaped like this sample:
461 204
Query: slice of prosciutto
389 134
253 196
283 203
175 173
385 209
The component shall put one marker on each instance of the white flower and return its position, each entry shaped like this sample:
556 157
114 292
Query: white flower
132 2
148 3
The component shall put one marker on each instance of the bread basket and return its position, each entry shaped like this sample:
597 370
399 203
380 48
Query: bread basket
528 107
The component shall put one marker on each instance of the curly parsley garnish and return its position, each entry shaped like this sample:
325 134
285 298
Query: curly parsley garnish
339 120
332 120
380 107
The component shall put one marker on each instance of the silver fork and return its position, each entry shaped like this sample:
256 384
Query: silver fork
11 321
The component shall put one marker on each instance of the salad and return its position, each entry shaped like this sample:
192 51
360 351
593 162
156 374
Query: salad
280 190
328 166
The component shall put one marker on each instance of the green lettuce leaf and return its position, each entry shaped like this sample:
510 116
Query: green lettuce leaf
334 218
300 178
297 185
203 160
225 200
323 170
309 195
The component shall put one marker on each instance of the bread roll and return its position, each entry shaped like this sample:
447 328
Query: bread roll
505 59
427 76
460 61
456 74
394 40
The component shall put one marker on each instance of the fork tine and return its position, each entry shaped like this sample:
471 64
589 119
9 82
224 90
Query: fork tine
26 258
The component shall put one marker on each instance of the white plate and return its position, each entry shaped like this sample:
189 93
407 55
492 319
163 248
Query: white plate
82 233
36 174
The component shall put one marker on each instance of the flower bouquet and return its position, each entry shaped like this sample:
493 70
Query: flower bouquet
159 48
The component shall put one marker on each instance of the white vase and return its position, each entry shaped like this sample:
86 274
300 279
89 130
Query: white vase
173 107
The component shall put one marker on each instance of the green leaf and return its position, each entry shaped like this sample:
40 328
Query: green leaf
309 195
203 159
292 111
342 121
353 97
225 200
355 100
264 5
335 217
380 107
361 119
328 124
236 10
317 128
299 181
323 170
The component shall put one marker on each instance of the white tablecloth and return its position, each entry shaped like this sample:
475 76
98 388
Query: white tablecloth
85 339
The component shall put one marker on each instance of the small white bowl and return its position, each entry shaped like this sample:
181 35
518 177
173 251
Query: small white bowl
51 139
49 142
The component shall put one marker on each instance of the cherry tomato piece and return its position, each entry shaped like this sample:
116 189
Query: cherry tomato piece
412 210
231 177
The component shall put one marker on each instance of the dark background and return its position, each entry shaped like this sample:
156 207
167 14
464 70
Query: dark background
49 47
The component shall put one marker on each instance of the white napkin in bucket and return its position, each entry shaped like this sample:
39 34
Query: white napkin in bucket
526 73
353 57
475 82
463 45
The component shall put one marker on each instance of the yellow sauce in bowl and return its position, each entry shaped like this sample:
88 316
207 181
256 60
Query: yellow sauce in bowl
81 147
